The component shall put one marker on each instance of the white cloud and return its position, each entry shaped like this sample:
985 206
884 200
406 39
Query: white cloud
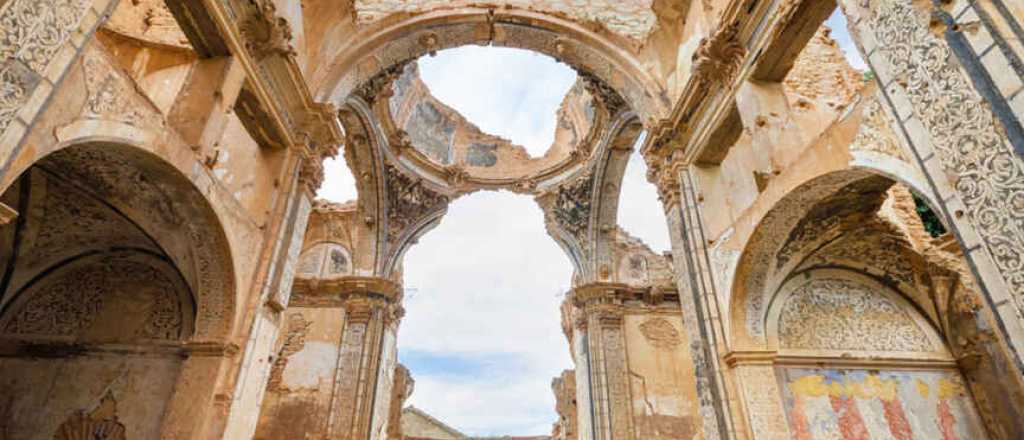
512 93
339 185
482 327
640 211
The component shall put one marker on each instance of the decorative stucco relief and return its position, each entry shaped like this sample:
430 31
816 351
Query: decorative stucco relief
633 19
876 132
661 333
408 202
968 140
132 183
31 33
100 424
84 301
112 96
573 205
842 314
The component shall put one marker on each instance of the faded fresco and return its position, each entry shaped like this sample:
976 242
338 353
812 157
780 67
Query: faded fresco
862 404
431 132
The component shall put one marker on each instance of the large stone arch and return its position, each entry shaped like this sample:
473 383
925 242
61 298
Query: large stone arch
390 42
830 193
163 202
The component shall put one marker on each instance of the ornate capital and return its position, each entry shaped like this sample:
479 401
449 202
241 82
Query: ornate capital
267 34
718 58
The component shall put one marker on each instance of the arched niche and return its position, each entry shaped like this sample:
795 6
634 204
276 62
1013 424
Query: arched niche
324 260
114 268
810 216
854 356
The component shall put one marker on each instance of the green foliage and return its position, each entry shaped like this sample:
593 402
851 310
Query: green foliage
931 221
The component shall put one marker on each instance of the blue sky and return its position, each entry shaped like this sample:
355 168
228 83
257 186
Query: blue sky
481 335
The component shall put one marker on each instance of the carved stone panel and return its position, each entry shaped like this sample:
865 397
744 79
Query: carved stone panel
842 314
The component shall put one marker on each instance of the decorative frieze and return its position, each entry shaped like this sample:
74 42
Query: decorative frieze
572 207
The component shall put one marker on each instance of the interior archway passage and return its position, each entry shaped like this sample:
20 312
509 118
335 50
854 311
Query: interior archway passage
100 288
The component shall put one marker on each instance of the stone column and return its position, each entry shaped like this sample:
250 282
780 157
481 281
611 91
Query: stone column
361 394
282 255
954 107
701 310
622 339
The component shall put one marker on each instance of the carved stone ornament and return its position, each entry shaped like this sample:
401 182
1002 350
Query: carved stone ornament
380 84
311 173
573 205
408 201
100 424
661 333
267 34
718 57
841 314
876 133
604 94
456 175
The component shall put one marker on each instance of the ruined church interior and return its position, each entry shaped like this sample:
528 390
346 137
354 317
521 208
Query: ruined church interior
740 219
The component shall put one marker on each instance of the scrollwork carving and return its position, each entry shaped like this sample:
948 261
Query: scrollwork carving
573 205
842 314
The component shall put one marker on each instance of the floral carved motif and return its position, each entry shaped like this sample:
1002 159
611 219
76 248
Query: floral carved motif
967 138
71 304
718 57
31 33
841 314
408 202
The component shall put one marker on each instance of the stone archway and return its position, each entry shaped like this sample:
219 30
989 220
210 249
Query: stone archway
116 273
389 43
860 229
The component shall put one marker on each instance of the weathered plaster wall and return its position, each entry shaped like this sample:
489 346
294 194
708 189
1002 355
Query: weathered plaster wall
139 387
302 377
662 386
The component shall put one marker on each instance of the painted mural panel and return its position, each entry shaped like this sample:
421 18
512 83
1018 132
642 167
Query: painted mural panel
431 132
862 405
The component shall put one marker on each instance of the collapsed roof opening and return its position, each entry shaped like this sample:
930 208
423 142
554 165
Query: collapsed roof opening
489 96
